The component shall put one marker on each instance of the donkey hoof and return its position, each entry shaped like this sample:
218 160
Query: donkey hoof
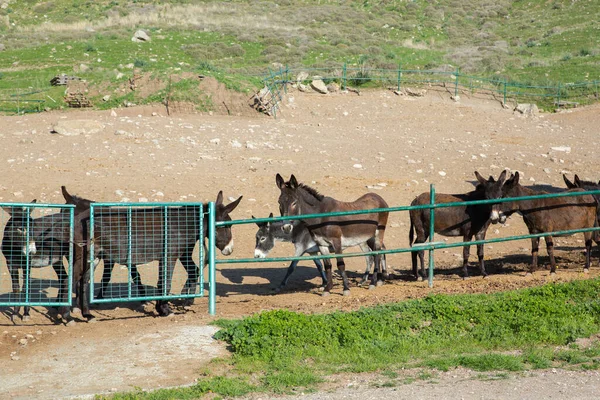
325 294
528 274
371 287
346 292
419 279
25 318
586 271
321 288
379 283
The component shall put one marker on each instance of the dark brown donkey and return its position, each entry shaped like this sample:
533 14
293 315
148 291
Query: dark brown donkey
337 232
147 242
465 221
549 215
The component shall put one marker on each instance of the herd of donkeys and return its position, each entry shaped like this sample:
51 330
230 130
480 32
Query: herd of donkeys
137 236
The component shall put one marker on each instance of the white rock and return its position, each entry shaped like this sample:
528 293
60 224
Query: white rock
566 149
76 127
357 166
319 86
235 143
215 141
140 36
442 173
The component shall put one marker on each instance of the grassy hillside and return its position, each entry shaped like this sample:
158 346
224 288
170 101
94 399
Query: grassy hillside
537 41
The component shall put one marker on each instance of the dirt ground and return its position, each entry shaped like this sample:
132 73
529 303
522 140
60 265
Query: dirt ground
341 144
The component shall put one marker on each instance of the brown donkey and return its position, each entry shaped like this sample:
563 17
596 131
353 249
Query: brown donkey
337 232
549 215
465 221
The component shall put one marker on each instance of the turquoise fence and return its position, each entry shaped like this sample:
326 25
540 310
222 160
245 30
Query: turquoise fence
34 236
550 96
430 246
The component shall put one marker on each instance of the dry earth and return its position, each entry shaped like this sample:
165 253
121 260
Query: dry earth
339 144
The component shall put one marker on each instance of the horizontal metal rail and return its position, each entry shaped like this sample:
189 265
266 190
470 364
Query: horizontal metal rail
430 246
407 208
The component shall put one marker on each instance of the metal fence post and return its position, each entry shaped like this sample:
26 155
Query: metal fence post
456 82
399 76
212 284
165 244
504 97
201 254
91 257
129 248
70 261
344 77
558 96
431 231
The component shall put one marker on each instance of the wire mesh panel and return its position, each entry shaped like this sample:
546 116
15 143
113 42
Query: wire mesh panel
37 253
146 251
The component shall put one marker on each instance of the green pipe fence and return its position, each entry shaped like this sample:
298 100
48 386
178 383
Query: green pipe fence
550 96
52 232
147 237
429 246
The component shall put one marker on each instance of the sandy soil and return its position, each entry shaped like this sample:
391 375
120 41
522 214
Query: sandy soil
403 143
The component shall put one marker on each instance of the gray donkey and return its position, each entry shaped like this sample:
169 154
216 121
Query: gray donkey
270 232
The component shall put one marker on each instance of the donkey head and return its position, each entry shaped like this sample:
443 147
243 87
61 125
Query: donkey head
224 237
265 240
18 231
492 189
288 198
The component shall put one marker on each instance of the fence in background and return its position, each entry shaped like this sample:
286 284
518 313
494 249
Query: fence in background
30 244
22 101
551 96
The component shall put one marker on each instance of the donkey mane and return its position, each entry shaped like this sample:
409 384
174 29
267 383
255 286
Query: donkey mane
311 191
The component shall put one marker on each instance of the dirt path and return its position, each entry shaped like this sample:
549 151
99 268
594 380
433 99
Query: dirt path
402 145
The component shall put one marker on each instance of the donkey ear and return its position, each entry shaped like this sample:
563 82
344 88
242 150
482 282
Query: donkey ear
570 185
219 198
231 206
270 215
480 178
9 210
516 179
293 182
280 182
577 181
33 201
502 178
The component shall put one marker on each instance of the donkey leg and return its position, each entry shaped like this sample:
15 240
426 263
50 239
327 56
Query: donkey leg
550 250
321 272
106 274
328 269
480 253
535 242
290 271
466 253
369 259
63 278
16 289
192 277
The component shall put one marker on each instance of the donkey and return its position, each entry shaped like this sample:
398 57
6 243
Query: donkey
147 242
465 221
549 215
82 205
588 186
26 238
270 232
336 232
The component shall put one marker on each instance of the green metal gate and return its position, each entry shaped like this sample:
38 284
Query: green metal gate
34 237
135 247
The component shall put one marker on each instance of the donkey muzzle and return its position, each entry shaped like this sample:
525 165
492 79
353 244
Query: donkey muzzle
30 248
287 228
227 250
495 216
259 254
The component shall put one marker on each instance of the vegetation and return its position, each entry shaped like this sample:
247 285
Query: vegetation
278 351
533 42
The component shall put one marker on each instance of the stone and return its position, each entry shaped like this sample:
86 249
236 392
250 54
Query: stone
302 76
333 87
527 109
319 86
566 149
302 87
415 92
83 68
140 36
215 141
106 98
77 127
